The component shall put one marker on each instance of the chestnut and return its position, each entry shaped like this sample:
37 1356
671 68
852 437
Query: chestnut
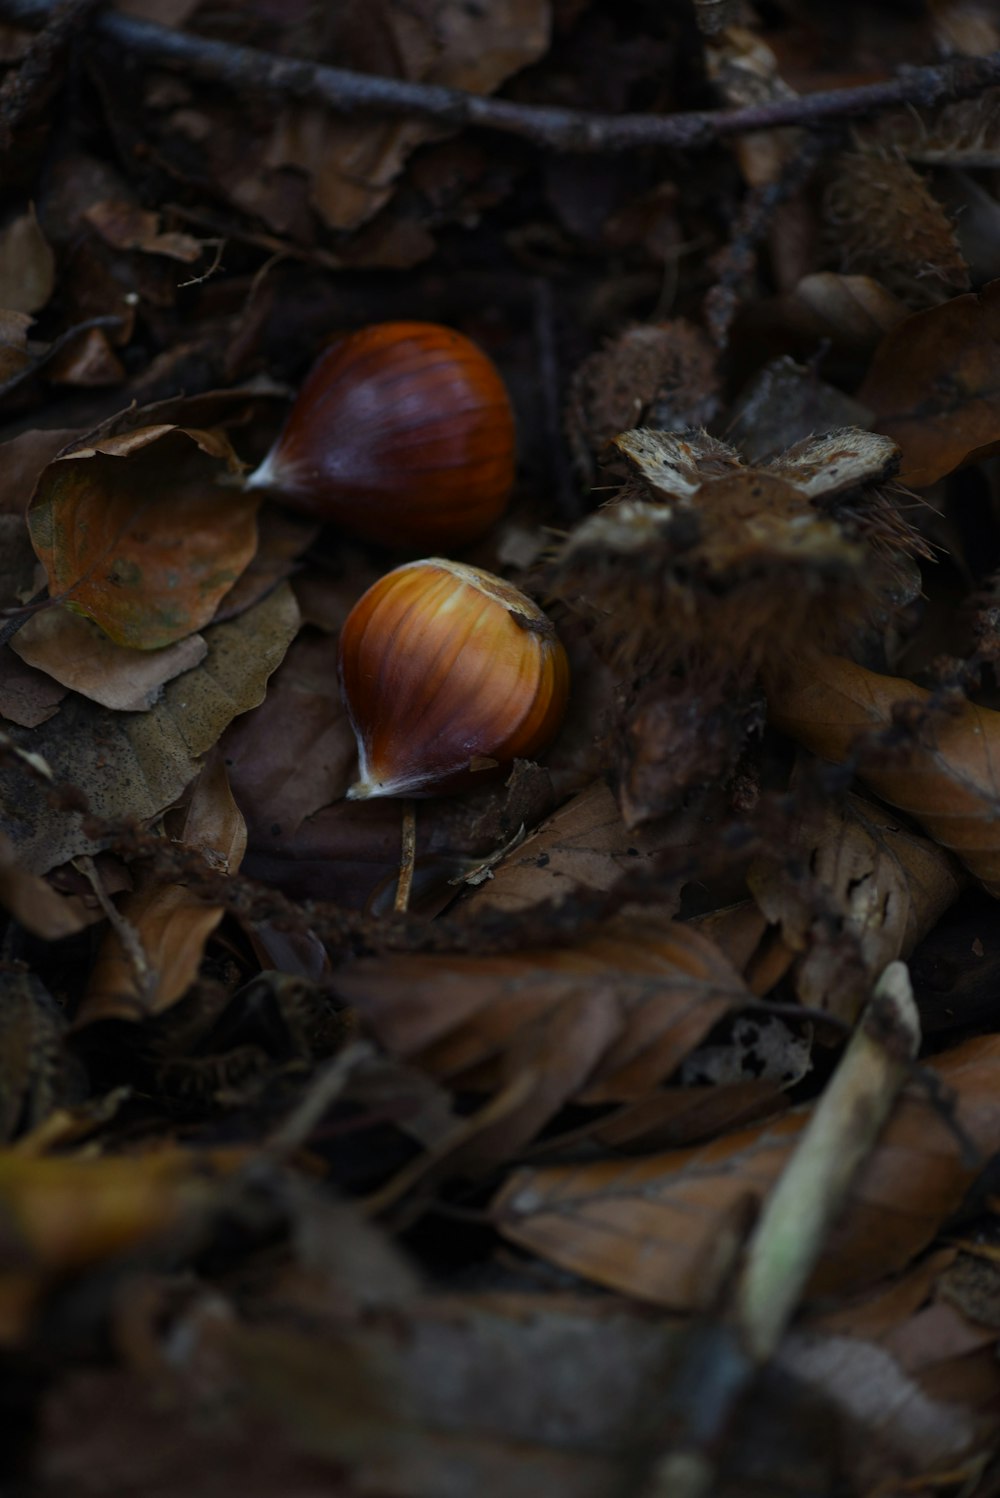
402 433
448 673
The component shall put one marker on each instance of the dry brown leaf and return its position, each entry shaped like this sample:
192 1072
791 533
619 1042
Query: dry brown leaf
27 697
934 386
646 1227
785 403
585 845
858 891
296 752
941 770
852 311
867 1384
88 361
136 531
351 164
34 904
24 460
27 265
135 764
672 1117
126 226
604 1021
77 654
170 925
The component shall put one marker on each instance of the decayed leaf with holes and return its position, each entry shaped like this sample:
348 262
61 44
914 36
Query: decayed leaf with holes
701 553
857 891
152 958
647 1227
132 765
939 764
603 1021
886 222
934 386
136 531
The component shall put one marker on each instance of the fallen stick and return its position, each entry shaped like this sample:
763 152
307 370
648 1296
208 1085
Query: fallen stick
247 70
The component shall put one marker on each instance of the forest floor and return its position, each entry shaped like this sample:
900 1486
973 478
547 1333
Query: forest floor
625 1124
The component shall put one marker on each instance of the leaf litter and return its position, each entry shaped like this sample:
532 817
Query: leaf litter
613 1154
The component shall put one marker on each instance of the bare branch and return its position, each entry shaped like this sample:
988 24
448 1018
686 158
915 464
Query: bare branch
249 71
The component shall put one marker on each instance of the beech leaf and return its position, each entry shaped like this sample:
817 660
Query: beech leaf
942 769
934 386
136 764
646 1227
136 532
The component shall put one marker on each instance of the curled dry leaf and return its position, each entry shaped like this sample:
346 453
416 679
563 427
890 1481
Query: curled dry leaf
603 1021
857 891
646 1227
934 386
126 226
72 650
941 765
136 532
135 764
169 924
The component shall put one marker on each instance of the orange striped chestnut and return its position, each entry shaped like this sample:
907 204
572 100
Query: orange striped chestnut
448 672
402 433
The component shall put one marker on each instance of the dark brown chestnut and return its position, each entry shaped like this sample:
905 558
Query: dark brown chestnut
402 433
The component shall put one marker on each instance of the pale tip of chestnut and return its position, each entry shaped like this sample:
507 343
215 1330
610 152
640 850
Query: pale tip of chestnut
266 475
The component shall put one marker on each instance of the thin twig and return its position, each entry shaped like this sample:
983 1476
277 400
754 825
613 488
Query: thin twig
128 936
324 1089
248 70
408 858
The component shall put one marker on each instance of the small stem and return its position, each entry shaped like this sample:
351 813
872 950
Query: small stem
407 858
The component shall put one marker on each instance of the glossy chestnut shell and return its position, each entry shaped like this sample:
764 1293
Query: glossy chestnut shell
448 673
402 433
